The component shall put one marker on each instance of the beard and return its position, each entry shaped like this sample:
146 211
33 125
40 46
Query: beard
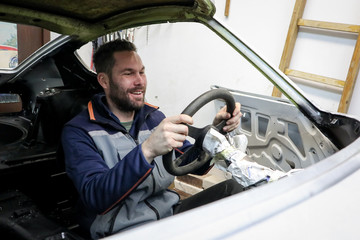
121 99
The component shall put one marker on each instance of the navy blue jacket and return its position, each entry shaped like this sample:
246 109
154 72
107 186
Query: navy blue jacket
118 188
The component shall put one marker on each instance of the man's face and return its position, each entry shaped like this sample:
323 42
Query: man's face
128 83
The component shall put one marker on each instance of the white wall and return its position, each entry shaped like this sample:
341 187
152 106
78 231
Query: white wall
177 73
264 25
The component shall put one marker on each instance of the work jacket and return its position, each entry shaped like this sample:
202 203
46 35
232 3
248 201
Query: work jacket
118 188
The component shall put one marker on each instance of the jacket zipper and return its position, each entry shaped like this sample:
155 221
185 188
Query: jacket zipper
113 218
148 204
153 190
154 209
153 180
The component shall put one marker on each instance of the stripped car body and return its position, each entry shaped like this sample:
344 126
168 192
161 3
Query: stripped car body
52 85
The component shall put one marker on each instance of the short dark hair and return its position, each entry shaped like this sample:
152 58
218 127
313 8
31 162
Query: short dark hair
104 56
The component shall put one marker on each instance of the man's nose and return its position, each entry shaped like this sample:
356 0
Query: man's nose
139 78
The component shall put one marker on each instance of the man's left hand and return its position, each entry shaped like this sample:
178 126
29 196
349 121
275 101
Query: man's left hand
232 122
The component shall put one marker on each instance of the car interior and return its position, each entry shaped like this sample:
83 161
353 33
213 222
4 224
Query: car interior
31 161
38 99
52 85
35 106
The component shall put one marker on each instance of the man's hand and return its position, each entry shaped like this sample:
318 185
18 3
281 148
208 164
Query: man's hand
170 134
231 123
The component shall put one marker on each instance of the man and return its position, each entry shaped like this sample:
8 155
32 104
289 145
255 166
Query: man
113 150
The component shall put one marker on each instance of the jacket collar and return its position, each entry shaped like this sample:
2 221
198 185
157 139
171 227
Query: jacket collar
100 112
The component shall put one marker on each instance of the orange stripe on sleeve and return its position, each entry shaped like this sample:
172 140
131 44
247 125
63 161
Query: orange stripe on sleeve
128 192
179 151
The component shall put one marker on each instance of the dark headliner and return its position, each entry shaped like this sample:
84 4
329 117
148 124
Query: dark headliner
90 10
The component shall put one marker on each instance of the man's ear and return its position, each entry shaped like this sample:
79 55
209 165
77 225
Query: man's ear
103 80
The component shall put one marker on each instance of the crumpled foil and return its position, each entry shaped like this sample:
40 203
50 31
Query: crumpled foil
231 149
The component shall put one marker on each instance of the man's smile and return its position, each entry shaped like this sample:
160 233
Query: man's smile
137 93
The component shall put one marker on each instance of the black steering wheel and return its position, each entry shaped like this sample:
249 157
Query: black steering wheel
175 167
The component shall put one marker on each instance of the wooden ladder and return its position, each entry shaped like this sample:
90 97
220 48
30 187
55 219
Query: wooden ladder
347 86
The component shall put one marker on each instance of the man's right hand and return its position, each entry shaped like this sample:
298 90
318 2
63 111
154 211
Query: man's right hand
170 134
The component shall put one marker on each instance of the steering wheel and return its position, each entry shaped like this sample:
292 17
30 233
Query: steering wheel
175 167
